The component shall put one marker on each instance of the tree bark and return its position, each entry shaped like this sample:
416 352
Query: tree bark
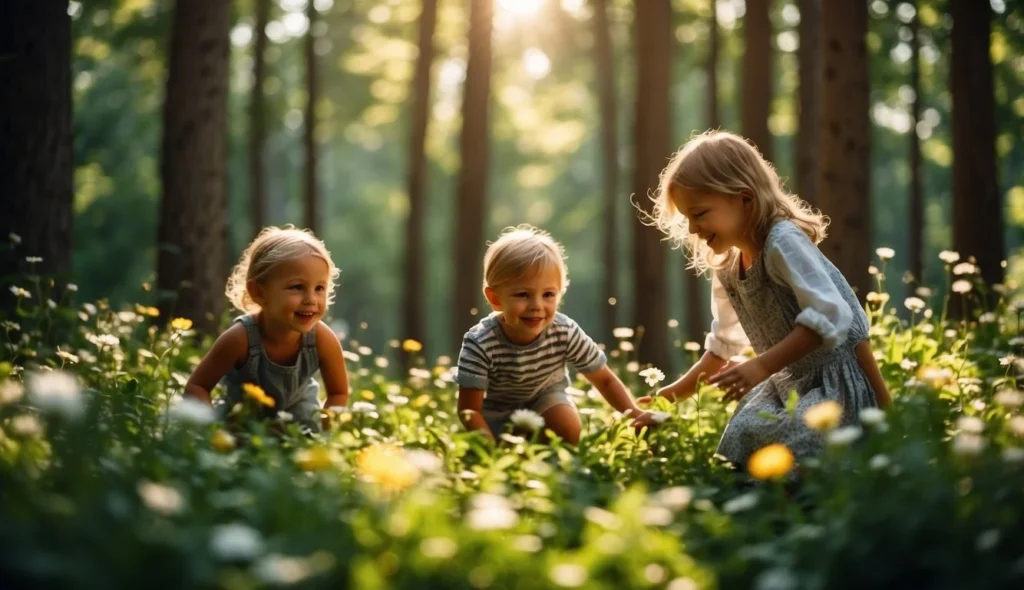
845 164
652 140
977 206
257 119
312 95
809 136
36 138
916 180
605 61
414 296
192 262
757 75
474 145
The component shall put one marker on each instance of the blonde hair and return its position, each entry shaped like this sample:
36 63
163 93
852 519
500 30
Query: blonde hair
520 252
271 247
723 162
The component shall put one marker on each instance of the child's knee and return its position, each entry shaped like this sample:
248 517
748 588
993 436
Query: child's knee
564 421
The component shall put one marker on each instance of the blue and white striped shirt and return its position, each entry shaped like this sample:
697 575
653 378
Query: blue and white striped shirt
511 374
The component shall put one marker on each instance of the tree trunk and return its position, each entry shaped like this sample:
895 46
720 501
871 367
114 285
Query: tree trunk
36 138
192 262
652 140
312 95
757 75
413 324
916 181
808 135
977 207
845 164
474 145
257 119
605 61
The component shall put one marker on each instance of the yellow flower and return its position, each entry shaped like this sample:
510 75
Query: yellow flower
256 392
314 459
387 466
421 401
410 345
181 324
824 416
771 462
366 394
148 311
222 441
934 377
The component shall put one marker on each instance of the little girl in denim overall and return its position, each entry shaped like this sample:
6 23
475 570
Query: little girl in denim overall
270 356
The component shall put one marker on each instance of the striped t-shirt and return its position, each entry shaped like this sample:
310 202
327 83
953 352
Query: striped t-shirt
511 374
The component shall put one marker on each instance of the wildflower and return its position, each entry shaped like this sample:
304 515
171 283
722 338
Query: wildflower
1016 425
844 436
1006 361
872 416
528 543
222 441
527 420
824 416
386 466
489 512
878 462
56 392
161 499
741 503
19 292
652 376
191 411
71 287
281 570
948 256
770 462
236 542
26 425
872 270
660 417
285 416
934 377
181 324
962 286
1013 455
908 365
632 366
692 347
10 392
1009 398
256 393
438 547
67 356
914 304
965 268
33 259
987 540
923 292
14 238
103 340
968 444
626 346
673 323
363 407
885 253
970 424
568 575
410 345
425 461
987 318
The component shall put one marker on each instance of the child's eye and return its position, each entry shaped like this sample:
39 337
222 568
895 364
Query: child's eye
320 288
520 294
295 287
699 215
549 294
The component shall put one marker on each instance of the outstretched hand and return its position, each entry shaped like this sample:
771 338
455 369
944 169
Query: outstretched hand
736 380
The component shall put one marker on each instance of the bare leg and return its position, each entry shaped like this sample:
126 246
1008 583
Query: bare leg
564 421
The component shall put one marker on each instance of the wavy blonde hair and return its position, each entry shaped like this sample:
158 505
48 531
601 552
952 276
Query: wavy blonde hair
521 251
723 162
271 247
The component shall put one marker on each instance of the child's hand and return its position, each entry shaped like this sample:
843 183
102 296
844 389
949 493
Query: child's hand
738 380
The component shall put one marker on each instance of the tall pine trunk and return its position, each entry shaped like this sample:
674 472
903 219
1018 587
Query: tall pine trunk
845 164
977 207
652 140
412 307
475 148
36 137
757 75
605 61
310 209
809 133
257 119
192 262
916 180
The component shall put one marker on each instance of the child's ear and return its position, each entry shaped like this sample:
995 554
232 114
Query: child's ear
492 298
747 197
256 292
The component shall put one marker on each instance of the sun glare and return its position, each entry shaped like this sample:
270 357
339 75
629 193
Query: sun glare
521 7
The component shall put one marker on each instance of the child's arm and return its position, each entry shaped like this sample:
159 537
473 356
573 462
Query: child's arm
685 386
867 363
332 366
739 380
471 403
613 390
227 352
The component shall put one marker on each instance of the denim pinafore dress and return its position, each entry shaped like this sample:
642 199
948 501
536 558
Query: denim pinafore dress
294 389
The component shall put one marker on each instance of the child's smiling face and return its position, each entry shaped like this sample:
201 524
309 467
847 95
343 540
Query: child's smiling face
294 296
527 304
719 220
